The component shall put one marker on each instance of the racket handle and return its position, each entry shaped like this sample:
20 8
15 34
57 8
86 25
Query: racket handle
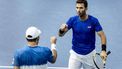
104 62
108 52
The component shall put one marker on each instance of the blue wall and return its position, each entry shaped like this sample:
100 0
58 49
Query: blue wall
48 15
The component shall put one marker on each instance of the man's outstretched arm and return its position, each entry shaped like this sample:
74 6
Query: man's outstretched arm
53 48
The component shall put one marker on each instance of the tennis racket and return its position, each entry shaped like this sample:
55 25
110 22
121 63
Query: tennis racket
99 63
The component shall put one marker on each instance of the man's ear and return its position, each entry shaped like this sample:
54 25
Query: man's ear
37 40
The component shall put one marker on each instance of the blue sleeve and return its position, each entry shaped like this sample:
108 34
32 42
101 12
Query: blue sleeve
98 27
50 56
70 23
16 59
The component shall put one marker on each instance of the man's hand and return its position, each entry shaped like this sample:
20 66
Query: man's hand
103 55
53 40
63 29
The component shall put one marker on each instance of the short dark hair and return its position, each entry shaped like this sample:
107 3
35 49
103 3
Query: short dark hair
33 40
84 2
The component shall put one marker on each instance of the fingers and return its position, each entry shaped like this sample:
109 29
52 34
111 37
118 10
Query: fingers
53 40
103 59
103 56
63 27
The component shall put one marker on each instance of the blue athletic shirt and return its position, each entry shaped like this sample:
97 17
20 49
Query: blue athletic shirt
30 56
83 41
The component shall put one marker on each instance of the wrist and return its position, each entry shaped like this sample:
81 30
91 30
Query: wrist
53 46
103 47
61 31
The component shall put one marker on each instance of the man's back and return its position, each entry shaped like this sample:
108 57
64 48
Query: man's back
33 57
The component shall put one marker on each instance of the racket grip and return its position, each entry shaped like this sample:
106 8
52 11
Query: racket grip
108 52
104 62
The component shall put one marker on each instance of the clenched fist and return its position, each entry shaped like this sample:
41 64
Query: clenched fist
103 55
63 27
53 40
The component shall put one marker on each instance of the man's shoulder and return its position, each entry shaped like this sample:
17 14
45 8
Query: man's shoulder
44 48
92 17
74 17
22 49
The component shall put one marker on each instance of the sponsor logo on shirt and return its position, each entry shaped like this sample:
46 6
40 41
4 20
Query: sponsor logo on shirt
89 27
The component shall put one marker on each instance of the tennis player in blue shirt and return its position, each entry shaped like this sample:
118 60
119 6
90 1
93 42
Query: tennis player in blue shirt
34 56
84 27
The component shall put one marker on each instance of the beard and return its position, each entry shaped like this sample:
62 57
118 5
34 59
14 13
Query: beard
81 14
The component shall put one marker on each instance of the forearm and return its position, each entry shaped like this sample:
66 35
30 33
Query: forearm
53 48
54 52
103 53
103 40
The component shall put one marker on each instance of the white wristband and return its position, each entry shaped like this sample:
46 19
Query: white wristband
53 46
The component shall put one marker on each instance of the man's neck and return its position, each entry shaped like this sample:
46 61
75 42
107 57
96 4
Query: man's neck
84 17
32 44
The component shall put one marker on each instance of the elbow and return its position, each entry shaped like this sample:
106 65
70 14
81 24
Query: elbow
102 34
54 56
53 61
